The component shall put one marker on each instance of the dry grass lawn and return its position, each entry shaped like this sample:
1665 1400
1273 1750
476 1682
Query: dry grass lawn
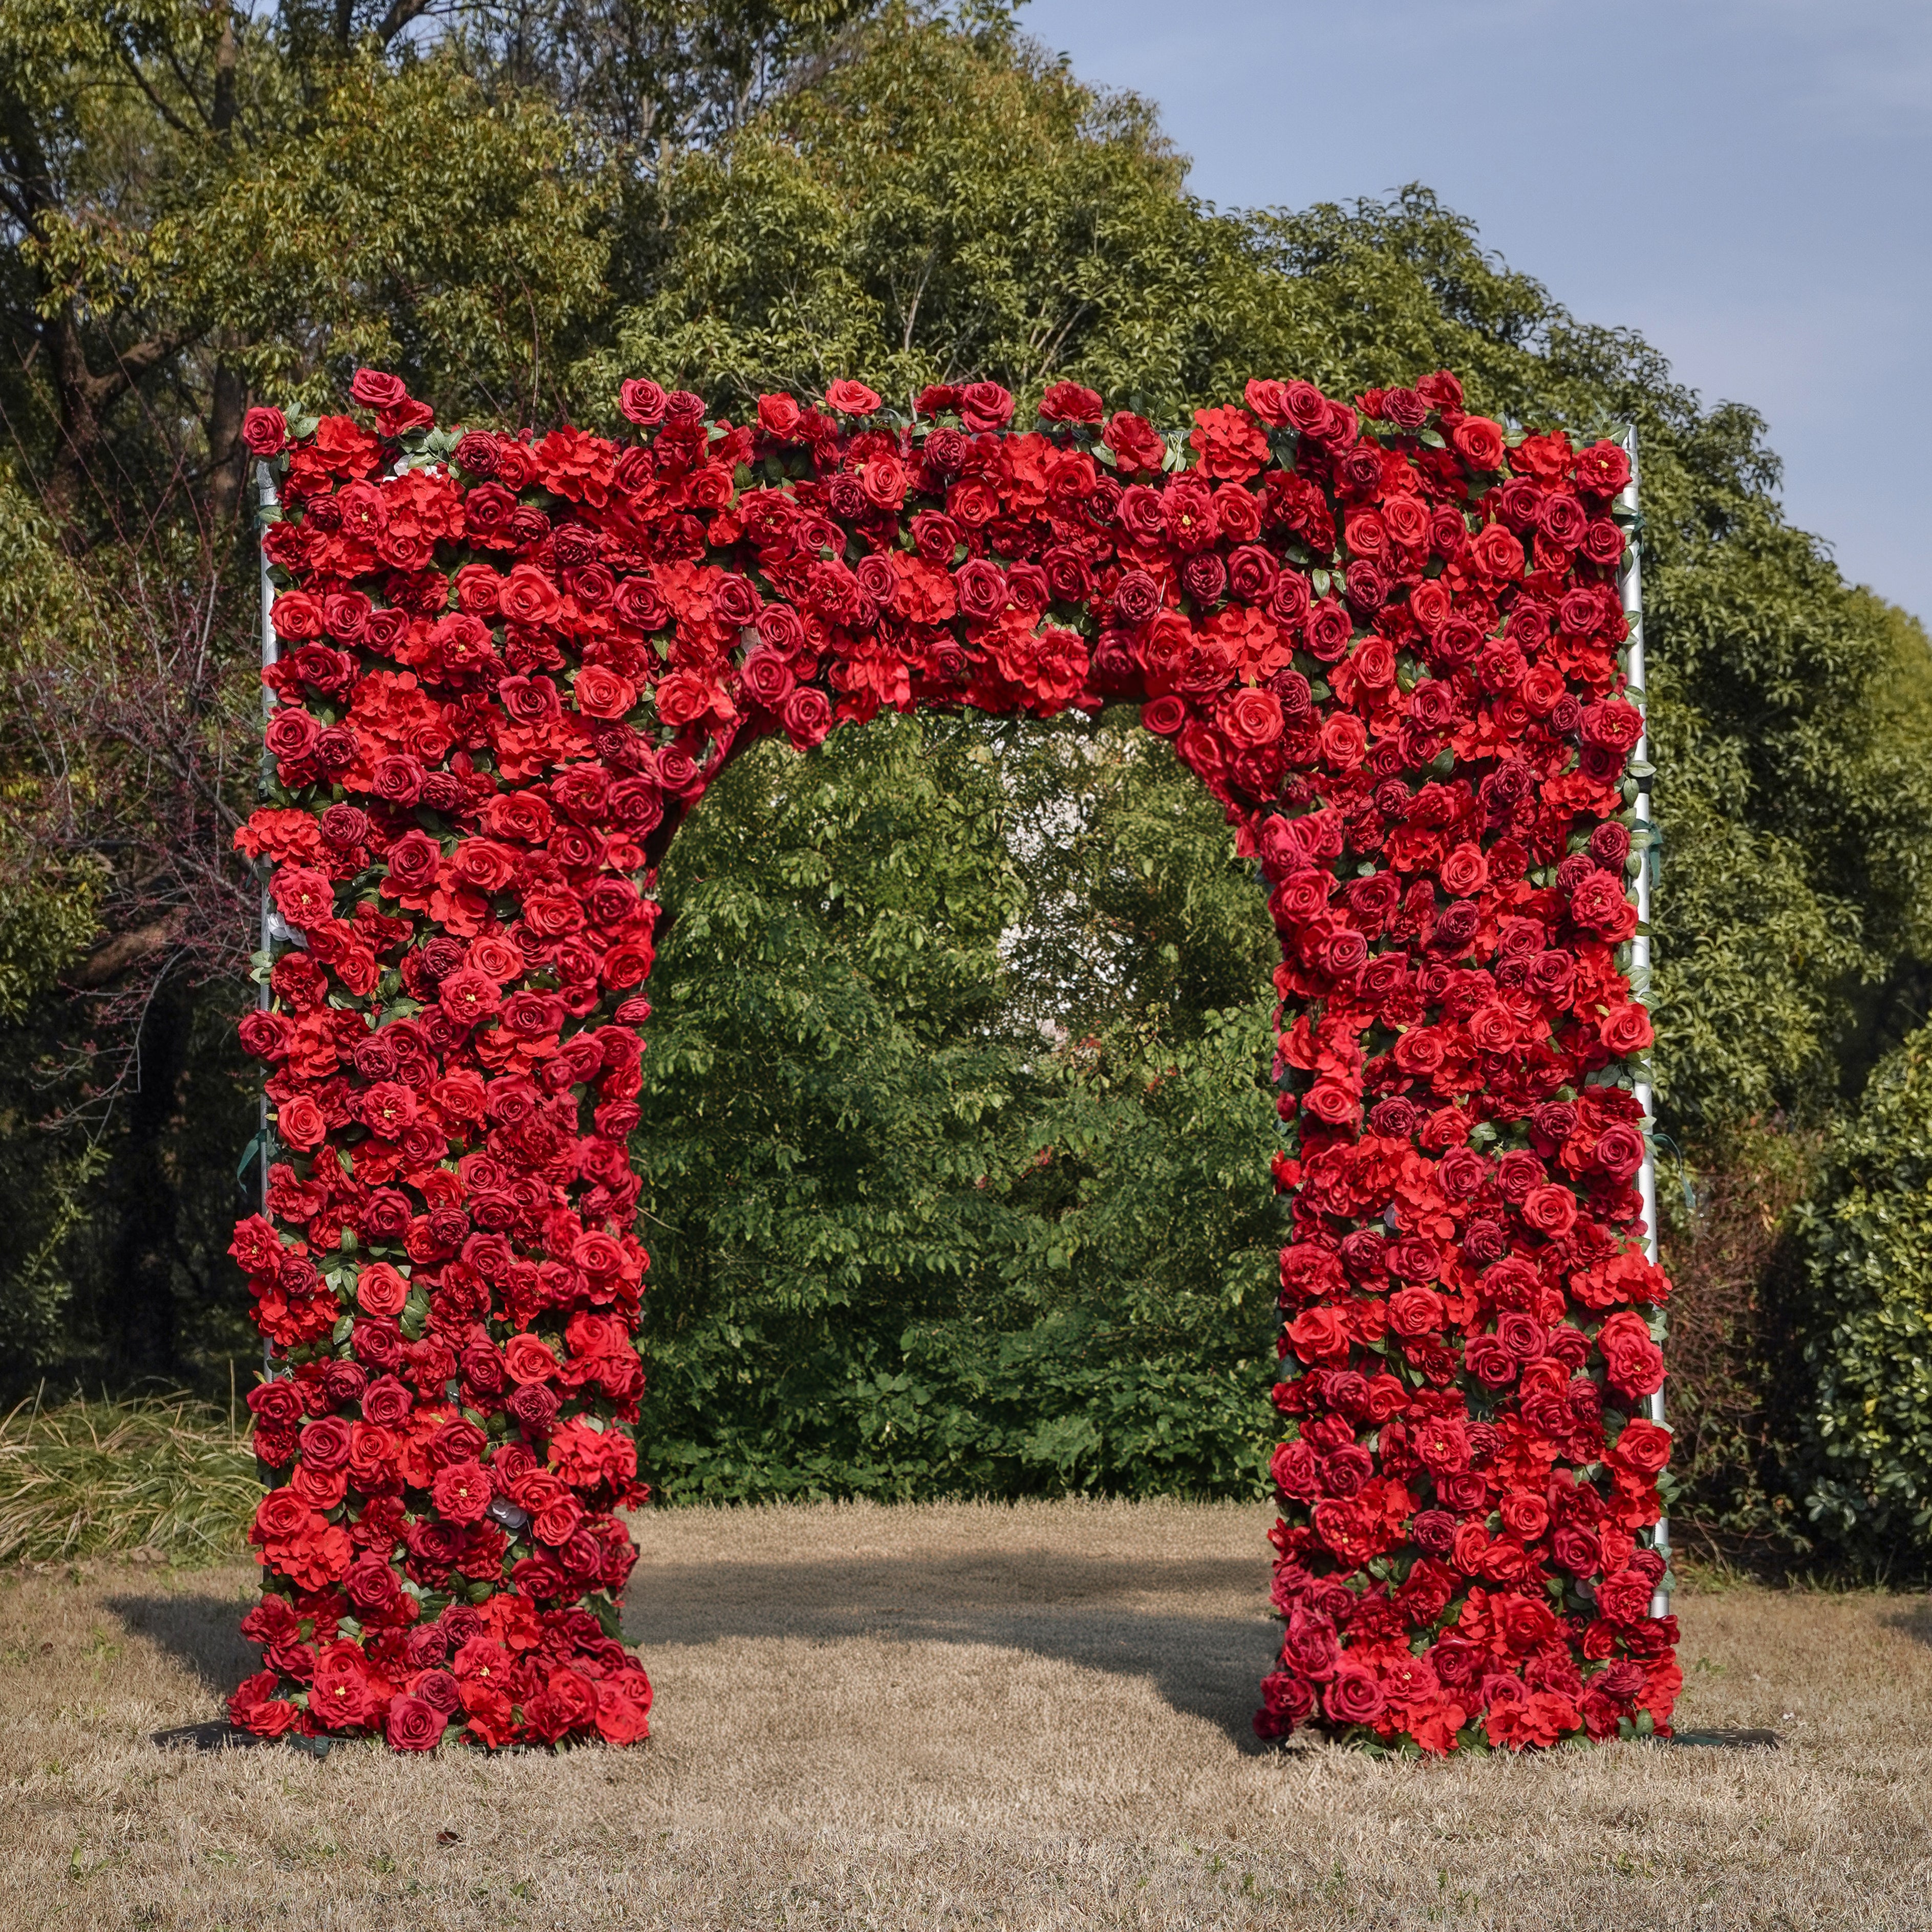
955 1716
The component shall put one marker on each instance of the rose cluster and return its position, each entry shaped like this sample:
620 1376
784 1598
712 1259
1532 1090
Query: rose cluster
1386 638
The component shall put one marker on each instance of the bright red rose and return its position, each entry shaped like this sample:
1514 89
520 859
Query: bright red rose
264 432
300 1122
1252 718
412 1725
376 391
1632 1361
851 399
1479 442
1068 402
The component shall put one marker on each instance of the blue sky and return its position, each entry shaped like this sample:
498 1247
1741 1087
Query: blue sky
1748 182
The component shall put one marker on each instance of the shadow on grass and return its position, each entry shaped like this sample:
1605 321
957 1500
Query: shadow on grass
1131 1617
1179 1624
199 1628
1913 1619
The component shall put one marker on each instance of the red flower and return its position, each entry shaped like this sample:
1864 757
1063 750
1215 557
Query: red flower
851 399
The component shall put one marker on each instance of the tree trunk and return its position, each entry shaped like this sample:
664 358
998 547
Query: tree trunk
228 459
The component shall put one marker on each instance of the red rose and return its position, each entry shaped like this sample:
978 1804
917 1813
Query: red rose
341 1698
264 432
779 416
1415 1311
1625 1030
599 692
1345 742
1353 1697
412 1725
807 717
1252 717
1603 469
850 399
1136 444
985 406
1479 442
1632 1361
1644 1447
375 391
1317 1335
1619 1151
1068 402
299 1122
642 402
1496 552
461 1492
527 1360
1551 1211
380 1290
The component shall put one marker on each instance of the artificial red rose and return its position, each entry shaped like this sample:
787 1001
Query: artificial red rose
1643 1447
411 1724
851 399
1551 1211
527 1359
1164 716
1317 1335
1496 553
985 406
1632 1362
1353 1697
1603 469
375 390
1068 402
599 692
642 401
301 1123
1625 1030
779 416
1479 442
1252 717
807 717
381 1290
1345 742
1415 1311
264 432
461 1493
1136 444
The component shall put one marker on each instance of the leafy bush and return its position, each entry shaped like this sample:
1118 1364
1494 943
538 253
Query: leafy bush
1864 1466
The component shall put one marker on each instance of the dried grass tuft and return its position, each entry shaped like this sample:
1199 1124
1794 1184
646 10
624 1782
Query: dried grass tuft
162 1477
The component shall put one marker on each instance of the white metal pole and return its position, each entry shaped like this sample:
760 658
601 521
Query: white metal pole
1631 585
267 499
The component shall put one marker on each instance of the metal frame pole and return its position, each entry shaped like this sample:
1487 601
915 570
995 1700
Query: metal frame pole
1631 585
272 926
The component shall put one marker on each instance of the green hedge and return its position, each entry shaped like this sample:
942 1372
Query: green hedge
1864 1461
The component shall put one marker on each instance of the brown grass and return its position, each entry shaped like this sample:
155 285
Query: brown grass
956 1716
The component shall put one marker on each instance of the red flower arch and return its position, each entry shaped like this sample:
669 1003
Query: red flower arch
1385 637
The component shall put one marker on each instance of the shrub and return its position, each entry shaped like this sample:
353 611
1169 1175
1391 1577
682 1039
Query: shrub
1864 1465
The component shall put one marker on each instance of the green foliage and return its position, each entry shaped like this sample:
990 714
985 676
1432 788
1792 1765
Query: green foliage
906 1239
1864 1429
